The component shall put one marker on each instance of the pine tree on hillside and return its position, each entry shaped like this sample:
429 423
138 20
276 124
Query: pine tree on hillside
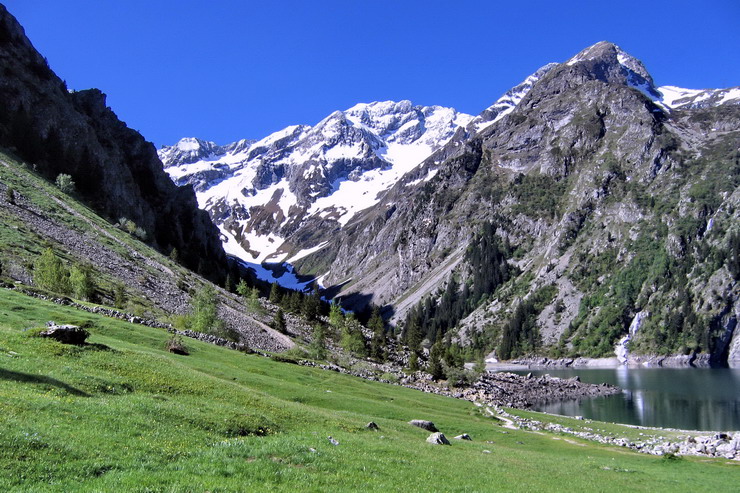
278 323
276 293
378 342
435 367
312 305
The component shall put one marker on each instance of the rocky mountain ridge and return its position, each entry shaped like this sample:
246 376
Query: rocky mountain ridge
614 205
615 196
282 196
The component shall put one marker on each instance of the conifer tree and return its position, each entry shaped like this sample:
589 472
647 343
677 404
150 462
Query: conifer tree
278 323
336 317
318 343
312 304
242 288
435 367
378 342
352 339
276 294
253 301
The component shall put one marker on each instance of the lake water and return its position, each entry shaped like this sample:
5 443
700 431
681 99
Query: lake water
689 399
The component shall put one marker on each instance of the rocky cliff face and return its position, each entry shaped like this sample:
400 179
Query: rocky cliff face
611 196
616 198
116 171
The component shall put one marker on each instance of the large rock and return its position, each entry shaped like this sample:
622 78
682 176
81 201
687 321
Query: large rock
66 334
423 424
438 439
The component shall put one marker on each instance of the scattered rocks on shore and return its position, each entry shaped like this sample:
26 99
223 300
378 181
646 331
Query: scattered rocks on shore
725 445
508 389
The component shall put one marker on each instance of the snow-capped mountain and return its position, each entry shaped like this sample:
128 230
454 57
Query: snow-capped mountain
668 97
262 193
284 197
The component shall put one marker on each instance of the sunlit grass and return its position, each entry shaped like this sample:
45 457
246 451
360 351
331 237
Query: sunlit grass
122 414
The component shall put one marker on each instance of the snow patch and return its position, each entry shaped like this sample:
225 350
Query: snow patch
306 252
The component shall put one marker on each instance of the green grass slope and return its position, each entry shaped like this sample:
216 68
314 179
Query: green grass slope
122 414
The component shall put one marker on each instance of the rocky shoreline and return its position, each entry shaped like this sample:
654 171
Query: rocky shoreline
522 392
708 444
633 361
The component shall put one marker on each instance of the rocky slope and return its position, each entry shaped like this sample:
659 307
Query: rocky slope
616 198
116 171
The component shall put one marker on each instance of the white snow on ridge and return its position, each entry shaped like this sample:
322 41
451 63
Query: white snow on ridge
398 133
305 253
673 97
730 95
672 94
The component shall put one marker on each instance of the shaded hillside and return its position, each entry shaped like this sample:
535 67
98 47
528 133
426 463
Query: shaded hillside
116 171
120 270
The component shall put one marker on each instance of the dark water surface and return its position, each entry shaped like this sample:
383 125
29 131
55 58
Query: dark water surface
689 399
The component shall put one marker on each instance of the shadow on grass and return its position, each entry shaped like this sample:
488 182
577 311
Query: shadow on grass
15 376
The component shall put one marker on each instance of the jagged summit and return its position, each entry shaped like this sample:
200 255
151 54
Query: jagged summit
286 196
607 62
307 180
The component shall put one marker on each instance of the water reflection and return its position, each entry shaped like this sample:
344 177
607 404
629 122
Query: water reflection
698 399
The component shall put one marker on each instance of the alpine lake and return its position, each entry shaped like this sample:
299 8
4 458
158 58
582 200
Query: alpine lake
686 399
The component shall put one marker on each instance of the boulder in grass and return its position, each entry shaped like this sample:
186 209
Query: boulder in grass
176 346
372 426
464 436
423 424
438 439
66 334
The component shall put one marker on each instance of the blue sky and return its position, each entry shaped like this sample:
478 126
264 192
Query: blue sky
225 70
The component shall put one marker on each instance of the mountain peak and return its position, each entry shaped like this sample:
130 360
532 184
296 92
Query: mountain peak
608 62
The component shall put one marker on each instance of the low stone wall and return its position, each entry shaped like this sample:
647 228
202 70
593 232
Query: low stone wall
108 312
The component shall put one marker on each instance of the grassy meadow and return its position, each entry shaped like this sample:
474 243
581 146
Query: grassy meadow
123 414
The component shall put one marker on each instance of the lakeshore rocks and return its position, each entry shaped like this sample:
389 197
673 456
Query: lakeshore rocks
438 439
423 424
508 389
725 445
631 361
